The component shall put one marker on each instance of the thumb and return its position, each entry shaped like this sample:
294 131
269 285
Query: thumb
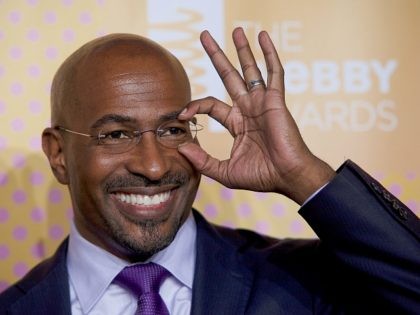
203 162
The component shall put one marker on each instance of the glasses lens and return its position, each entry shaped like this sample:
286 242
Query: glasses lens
175 132
117 141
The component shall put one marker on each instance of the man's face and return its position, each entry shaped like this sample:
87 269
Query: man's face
131 203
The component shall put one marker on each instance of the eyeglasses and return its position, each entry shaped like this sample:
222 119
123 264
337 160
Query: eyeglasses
170 134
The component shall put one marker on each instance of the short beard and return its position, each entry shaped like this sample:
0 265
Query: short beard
152 240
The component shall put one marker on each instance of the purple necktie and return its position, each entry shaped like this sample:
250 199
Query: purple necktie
144 281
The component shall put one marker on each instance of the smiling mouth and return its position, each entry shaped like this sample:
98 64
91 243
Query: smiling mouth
144 200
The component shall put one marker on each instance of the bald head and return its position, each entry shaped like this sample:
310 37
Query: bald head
110 57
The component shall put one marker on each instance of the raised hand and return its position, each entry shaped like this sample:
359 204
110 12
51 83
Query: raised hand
268 152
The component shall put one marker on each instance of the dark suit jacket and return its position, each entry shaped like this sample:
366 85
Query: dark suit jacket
367 261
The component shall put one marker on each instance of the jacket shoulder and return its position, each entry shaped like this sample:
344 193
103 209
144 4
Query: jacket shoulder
260 251
44 271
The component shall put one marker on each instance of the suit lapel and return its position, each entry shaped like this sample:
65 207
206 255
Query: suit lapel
222 283
46 288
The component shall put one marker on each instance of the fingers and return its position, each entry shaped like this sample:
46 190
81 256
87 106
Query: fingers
275 72
204 162
231 78
210 106
251 72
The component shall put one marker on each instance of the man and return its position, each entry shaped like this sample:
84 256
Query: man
122 140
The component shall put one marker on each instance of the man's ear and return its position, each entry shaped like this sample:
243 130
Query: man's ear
53 147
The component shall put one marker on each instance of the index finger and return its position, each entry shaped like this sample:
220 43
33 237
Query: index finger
212 107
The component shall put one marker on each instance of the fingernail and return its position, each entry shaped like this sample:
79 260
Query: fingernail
180 146
184 111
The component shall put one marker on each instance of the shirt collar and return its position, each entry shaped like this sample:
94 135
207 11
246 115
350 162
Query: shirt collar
92 269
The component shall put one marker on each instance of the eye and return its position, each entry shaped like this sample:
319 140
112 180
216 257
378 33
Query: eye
172 131
115 136
175 131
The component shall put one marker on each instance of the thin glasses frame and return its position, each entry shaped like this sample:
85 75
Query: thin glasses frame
132 137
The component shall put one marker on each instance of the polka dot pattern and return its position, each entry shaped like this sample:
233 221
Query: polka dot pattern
20 233
37 214
35 210
4 285
56 232
20 269
36 178
210 210
4 215
19 196
38 250
32 35
4 252
3 179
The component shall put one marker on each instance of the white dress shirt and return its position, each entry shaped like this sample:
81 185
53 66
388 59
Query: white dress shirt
92 269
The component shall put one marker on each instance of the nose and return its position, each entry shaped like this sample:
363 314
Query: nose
148 158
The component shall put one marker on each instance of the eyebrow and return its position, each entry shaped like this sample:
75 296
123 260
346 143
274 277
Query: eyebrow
112 118
170 116
115 118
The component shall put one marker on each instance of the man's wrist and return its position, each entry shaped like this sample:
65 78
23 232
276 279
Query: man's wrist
311 180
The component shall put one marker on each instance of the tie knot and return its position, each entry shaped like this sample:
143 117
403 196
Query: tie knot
142 278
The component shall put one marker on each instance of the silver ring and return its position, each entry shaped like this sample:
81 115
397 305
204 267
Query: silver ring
254 83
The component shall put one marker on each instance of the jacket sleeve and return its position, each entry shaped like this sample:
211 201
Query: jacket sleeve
372 238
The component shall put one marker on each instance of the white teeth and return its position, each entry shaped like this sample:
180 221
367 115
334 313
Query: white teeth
156 199
144 199
147 200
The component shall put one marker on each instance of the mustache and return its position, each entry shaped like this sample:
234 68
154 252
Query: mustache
178 179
